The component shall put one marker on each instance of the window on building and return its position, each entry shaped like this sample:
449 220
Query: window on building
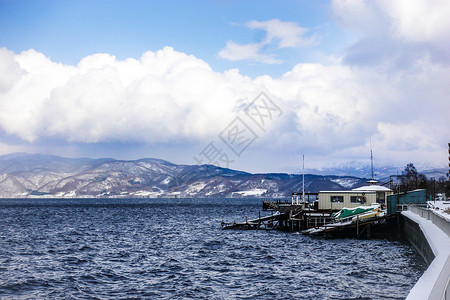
356 199
380 197
337 199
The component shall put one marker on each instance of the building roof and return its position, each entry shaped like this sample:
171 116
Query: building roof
377 188
347 192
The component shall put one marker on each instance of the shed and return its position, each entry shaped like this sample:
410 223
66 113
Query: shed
365 195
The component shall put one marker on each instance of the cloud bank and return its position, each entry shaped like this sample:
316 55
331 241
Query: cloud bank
162 96
396 32
391 85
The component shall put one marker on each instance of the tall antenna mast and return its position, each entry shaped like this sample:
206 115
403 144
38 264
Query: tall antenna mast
303 198
371 157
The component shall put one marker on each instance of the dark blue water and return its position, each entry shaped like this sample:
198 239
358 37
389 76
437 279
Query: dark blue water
160 249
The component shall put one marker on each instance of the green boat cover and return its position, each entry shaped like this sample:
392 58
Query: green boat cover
348 212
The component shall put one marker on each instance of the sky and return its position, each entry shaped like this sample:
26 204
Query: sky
249 85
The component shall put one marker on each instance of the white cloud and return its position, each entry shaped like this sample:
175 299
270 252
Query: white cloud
287 34
162 96
167 97
396 32
11 70
404 51
282 34
419 20
235 52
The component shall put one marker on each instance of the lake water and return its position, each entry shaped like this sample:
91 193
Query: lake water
161 249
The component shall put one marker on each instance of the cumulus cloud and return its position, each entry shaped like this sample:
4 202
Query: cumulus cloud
11 70
420 20
170 97
162 96
398 32
280 33
403 49
330 111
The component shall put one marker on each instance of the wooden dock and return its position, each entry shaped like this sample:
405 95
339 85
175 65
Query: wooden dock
359 229
274 221
310 221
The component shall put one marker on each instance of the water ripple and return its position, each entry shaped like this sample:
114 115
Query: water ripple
175 249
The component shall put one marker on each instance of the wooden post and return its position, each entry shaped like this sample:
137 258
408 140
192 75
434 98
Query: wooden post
291 222
357 226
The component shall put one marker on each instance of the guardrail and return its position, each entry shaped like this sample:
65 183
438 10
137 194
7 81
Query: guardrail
428 214
441 287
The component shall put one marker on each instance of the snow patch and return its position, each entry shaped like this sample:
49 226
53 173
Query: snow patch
345 182
167 180
195 187
441 208
253 192
70 194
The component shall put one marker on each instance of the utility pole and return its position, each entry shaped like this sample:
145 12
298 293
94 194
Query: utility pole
303 196
371 157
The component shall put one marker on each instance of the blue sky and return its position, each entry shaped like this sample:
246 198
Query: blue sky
131 79
67 31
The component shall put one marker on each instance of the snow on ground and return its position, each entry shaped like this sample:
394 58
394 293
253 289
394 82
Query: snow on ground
440 244
345 182
441 208
167 180
143 193
195 187
253 192
70 194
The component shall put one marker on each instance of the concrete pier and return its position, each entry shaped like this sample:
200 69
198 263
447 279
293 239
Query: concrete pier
430 235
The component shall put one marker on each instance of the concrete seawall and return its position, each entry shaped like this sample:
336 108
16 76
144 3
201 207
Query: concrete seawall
414 235
428 214
430 235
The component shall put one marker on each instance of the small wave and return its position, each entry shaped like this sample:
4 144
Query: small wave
101 251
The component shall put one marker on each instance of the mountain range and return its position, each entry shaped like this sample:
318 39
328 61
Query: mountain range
381 172
38 175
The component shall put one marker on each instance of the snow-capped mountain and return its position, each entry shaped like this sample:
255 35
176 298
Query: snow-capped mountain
436 173
36 175
358 169
381 171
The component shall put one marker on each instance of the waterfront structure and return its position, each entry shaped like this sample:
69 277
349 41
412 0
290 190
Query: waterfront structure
362 196
429 233
427 230
395 202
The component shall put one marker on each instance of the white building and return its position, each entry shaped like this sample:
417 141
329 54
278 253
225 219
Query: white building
365 195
